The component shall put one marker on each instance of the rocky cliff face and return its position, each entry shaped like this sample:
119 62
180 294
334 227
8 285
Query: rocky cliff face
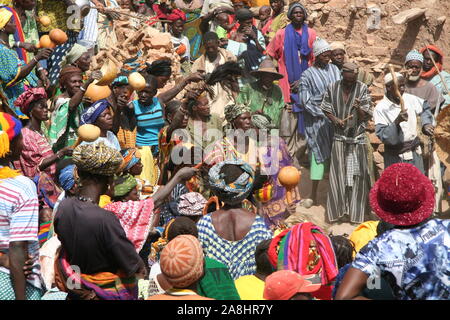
377 32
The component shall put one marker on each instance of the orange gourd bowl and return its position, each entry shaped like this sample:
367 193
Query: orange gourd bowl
289 176
58 36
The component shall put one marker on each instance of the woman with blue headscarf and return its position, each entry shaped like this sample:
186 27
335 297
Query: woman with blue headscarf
230 234
100 115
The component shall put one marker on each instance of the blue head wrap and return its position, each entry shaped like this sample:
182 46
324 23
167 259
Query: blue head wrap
91 114
120 80
67 177
236 191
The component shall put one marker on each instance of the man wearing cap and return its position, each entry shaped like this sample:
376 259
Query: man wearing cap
413 255
347 104
398 130
338 59
289 285
318 128
431 71
420 87
263 96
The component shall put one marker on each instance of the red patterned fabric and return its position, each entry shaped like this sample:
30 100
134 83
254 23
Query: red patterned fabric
136 218
36 149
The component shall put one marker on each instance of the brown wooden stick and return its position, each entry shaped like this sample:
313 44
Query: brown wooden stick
437 69
348 118
397 91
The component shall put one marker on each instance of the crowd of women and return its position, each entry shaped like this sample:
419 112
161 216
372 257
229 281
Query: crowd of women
179 198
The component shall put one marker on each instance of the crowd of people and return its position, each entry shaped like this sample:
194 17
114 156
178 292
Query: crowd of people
180 196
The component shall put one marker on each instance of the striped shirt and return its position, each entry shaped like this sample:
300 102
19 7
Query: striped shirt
19 219
149 122
319 132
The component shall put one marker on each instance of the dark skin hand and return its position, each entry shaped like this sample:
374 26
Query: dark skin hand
27 268
182 175
18 254
353 283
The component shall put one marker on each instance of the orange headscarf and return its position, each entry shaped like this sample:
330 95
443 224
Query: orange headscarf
427 75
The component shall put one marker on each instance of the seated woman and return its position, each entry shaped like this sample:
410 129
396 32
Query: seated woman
99 114
68 107
37 160
15 75
230 235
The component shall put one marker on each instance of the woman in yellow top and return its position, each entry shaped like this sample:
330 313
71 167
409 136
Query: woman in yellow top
252 287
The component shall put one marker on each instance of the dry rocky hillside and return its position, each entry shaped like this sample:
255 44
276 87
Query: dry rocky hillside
377 32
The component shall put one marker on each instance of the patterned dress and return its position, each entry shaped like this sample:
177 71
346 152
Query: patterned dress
9 71
239 256
64 124
415 262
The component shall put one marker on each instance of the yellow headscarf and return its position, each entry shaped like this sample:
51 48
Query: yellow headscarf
5 16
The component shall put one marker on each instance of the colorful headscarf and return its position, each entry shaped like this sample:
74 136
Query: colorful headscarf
9 129
262 121
182 261
233 111
67 177
427 75
25 99
120 80
130 156
414 55
74 54
191 204
5 16
97 159
67 72
124 184
236 191
91 114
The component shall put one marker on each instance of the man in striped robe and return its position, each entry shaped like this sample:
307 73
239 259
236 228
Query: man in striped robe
347 104
318 128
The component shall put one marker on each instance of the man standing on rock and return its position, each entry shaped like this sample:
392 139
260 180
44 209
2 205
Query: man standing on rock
347 104
318 128
398 130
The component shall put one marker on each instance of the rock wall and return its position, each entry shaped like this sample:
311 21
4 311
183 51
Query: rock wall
373 38
378 32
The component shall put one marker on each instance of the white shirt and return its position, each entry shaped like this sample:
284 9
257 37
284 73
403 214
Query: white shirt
387 111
